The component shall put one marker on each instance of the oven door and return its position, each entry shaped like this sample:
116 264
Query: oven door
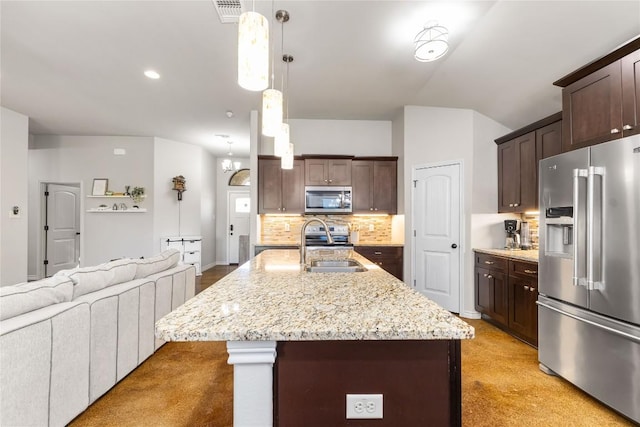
326 200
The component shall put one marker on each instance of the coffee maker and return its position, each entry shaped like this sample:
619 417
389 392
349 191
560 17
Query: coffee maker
513 238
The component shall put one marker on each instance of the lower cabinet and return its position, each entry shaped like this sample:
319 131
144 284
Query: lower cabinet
389 258
506 294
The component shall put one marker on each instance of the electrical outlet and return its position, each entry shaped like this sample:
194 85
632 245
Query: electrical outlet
371 227
287 226
360 406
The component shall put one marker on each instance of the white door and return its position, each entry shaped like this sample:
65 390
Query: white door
62 228
436 245
238 224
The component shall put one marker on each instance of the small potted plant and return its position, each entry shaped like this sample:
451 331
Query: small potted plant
137 194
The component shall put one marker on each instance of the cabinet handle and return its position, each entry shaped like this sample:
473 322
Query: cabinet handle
526 288
531 271
627 127
615 130
488 276
377 253
510 205
380 263
489 262
375 209
330 180
516 205
370 209
532 289
284 209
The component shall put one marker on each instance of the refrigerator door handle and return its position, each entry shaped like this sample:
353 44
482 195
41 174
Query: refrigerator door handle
597 325
594 231
577 223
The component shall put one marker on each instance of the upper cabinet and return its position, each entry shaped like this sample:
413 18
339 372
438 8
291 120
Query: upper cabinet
518 156
280 190
374 185
600 101
327 171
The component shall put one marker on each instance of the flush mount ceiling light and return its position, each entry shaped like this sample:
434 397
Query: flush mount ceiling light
253 51
152 74
431 43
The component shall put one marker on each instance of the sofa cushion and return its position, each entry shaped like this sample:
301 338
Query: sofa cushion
166 260
91 279
30 296
124 270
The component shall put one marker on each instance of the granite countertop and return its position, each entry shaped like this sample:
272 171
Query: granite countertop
271 298
517 254
360 243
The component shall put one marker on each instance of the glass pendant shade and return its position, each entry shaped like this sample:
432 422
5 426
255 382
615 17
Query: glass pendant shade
281 141
253 51
287 159
271 112
431 43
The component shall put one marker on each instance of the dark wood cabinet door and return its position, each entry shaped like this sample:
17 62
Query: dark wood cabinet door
385 186
528 173
293 188
362 185
592 109
520 305
315 172
508 188
549 140
483 290
270 186
339 171
630 69
500 298
389 258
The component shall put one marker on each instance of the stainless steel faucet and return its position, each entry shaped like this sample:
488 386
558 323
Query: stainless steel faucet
303 238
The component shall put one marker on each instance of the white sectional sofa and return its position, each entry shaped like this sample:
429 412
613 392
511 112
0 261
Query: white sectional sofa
66 340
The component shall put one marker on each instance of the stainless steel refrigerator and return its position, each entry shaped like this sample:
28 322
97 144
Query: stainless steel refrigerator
589 271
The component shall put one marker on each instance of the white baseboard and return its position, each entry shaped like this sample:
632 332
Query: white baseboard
221 263
470 314
31 278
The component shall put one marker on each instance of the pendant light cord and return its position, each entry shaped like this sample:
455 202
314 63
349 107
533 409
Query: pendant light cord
273 55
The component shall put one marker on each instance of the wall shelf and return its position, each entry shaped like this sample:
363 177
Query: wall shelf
130 210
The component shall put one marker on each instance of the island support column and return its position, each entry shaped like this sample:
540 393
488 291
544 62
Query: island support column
252 382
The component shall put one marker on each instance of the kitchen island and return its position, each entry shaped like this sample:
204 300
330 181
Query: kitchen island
333 334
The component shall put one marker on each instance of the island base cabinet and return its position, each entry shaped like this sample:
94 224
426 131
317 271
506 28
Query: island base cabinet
419 381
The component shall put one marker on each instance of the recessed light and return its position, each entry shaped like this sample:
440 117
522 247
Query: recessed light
152 74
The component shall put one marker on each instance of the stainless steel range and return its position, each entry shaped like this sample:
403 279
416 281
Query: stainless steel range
316 236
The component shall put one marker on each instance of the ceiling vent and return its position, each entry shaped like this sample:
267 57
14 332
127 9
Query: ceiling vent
229 10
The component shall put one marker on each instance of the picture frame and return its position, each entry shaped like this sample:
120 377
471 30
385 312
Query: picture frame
99 186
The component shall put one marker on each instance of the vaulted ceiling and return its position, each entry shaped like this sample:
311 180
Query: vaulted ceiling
77 67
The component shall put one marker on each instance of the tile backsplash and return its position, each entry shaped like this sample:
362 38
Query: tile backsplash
286 229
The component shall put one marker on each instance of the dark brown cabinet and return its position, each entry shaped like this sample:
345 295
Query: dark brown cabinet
492 296
506 294
329 171
523 293
280 190
374 185
518 156
600 100
389 258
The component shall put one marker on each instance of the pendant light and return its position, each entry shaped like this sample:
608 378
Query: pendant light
272 98
285 143
253 51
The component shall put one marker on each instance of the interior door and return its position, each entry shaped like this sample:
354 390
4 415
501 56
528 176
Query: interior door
62 228
436 219
238 225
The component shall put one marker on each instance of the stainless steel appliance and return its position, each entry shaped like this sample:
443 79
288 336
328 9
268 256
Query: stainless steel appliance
326 200
589 272
316 236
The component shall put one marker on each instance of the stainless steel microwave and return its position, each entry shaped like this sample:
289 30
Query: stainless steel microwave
326 200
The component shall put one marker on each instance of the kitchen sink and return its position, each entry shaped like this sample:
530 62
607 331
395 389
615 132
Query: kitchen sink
335 266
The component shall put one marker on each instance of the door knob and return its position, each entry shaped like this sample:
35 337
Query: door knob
454 246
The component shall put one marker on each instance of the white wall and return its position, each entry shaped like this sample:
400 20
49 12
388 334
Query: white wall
208 210
433 134
340 137
222 206
70 159
173 218
14 142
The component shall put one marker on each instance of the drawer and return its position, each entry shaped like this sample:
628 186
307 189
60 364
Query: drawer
491 262
191 257
192 245
522 268
374 253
